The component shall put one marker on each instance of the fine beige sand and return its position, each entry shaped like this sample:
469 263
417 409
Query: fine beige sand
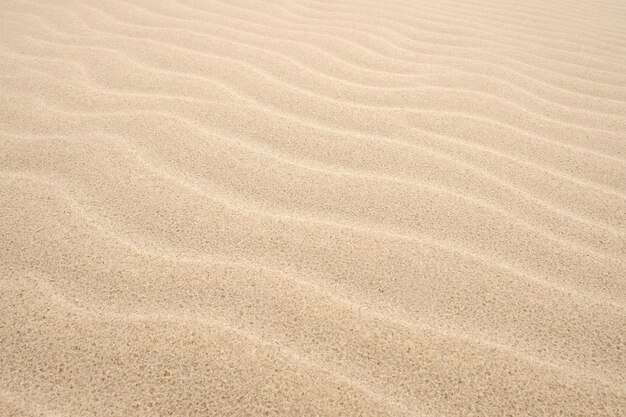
312 208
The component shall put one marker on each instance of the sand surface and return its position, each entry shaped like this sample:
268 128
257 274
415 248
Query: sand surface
312 207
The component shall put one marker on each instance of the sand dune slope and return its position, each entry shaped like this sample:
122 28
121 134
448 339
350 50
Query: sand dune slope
312 207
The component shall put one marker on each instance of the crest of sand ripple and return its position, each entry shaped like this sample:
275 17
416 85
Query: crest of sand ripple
359 207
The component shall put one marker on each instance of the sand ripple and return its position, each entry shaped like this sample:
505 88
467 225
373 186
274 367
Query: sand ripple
316 207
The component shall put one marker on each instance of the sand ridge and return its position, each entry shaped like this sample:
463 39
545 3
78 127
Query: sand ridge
255 207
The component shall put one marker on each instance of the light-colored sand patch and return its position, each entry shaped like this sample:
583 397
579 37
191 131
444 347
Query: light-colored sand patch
312 207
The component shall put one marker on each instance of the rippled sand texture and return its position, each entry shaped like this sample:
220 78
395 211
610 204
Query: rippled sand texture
312 207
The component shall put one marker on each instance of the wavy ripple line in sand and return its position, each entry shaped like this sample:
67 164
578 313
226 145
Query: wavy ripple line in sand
392 28
495 152
343 81
459 19
103 12
248 24
552 171
384 40
319 96
289 354
238 28
481 171
249 207
557 370
339 171
392 25
481 342
395 24
334 170
524 22
296 26
352 303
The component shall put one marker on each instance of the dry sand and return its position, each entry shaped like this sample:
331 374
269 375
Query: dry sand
312 207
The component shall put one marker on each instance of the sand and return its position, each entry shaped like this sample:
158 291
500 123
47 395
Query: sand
312 208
